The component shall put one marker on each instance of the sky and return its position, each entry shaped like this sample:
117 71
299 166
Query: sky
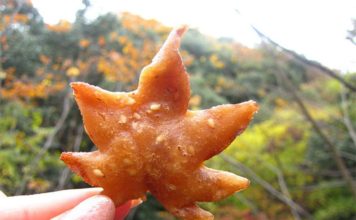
316 29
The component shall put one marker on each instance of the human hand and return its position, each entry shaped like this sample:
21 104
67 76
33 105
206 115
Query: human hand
74 204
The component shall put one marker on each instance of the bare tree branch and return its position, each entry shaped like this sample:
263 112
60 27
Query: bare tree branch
346 118
348 155
67 104
76 145
284 188
330 184
266 185
302 59
335 154
278 170
248 203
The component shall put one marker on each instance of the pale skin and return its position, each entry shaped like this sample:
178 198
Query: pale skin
74 204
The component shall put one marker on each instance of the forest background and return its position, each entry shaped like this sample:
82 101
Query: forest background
299 152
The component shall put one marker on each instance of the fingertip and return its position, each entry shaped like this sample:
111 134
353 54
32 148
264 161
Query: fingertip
98 207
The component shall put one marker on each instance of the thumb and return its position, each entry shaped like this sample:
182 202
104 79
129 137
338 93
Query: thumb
98 207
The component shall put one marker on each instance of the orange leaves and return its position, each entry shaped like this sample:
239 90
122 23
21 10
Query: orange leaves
101 41
195 101
147 51
119 54
8 75
84 43
124 66
214 60
16 18
138 25
73 71
123 39
188 59
106 68
130 51
115 67
62 27
113 36
11 19
20 89
21 18
44 59
245 54
83 66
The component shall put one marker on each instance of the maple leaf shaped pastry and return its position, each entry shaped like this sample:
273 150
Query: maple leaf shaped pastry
148 140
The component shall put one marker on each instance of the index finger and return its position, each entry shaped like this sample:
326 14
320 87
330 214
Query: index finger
45 205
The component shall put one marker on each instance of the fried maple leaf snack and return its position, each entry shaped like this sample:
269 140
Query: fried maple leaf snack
148 140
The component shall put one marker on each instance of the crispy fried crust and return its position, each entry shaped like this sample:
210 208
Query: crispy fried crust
147 140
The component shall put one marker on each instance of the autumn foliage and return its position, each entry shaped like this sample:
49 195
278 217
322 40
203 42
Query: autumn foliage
292 173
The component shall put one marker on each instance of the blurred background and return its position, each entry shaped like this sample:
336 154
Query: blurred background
296 58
